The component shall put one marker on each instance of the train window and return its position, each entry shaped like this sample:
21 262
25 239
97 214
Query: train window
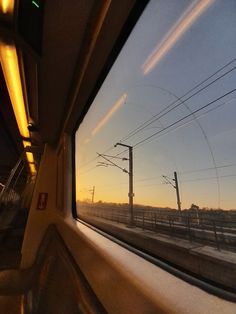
155 154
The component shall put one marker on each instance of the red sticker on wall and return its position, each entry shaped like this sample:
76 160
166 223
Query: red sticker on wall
42 201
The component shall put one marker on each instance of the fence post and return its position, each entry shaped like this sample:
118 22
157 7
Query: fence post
189 229
155 221
170 226
136 219
216 236
222 232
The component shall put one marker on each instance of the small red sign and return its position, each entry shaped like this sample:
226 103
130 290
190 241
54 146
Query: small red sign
42 201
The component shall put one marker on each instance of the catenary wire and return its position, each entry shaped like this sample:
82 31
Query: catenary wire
189 121
137 130
151 120
183 118
163 112
179 99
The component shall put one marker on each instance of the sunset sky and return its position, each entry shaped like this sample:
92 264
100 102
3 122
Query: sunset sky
175 46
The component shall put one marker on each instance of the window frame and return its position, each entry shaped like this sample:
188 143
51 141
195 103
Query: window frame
186 276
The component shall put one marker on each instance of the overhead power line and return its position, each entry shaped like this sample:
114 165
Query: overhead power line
194 118
86 171
156 116
206 169
111 163
160 114
208 178
183 118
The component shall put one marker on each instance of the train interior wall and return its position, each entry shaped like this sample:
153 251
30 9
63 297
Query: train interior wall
122 281
66 266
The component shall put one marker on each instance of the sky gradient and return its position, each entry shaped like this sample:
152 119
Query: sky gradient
150 100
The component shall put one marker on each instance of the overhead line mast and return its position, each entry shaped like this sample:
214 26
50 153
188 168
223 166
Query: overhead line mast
131 192
175 186
130 173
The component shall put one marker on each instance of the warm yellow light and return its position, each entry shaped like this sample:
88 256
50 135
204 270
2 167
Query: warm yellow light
109 114
11 73
32 168
30 157
25 144
7 6
10 67
180 27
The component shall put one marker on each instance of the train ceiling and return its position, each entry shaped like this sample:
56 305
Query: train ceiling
62 48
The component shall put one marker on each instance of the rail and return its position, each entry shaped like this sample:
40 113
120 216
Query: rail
203 228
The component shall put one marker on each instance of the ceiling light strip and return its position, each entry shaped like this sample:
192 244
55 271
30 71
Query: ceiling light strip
10 67
7 6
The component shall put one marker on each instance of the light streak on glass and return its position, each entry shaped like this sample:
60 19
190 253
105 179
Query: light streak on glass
110 113
191 14
35 4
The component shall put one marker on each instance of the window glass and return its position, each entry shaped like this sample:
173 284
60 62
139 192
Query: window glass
169 104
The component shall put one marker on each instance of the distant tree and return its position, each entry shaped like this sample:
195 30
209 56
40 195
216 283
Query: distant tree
86 200
194 207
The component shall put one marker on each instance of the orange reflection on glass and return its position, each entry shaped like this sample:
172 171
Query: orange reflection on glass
191 14
109 114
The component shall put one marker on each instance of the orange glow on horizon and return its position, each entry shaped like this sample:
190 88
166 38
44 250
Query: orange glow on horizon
191 14
110 113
